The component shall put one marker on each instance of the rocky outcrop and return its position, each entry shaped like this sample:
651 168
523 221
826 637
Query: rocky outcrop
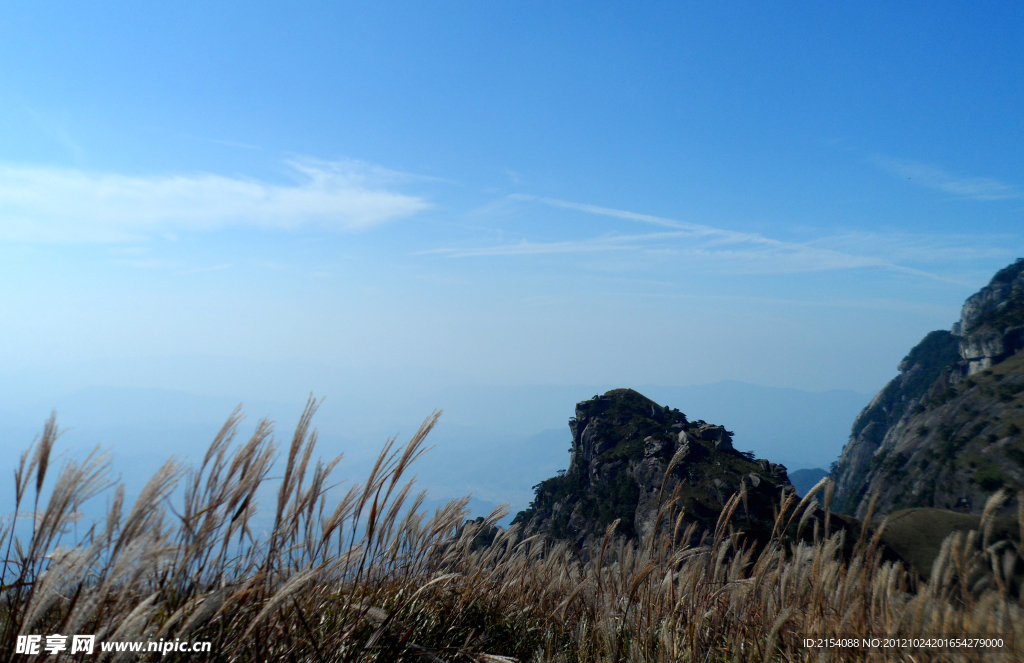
630 454
991 325
946 432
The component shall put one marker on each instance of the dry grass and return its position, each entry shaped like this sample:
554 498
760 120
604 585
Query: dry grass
371 578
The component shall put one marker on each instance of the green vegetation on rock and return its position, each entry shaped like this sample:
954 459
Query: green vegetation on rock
631 455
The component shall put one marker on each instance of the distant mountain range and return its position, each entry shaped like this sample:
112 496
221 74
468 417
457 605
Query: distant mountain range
805 479
495 442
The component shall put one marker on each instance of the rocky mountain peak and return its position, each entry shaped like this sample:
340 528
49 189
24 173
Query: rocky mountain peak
991 325
629 454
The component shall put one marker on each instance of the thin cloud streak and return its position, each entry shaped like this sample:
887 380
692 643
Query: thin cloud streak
749 252
225 143
621 214
151 263
878 304
607 243
932 177
203 270
922 248
41 204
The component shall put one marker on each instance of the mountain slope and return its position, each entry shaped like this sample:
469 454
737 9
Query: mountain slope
946 432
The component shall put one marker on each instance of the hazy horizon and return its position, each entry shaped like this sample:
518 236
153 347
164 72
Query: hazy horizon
493 443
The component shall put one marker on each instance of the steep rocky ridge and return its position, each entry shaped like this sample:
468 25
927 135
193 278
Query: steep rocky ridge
991 325
622 445
946 432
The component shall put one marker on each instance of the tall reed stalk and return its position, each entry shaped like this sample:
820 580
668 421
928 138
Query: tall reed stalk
370 577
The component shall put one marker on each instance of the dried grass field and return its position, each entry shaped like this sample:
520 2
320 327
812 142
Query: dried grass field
369 577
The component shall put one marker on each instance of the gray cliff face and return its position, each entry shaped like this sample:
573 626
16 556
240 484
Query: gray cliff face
945 432
623 445
991 325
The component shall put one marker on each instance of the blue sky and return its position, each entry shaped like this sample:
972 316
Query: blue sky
257 199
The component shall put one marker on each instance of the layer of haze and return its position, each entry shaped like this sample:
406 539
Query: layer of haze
493 208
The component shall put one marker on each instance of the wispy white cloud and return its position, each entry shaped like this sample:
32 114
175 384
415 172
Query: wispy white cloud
522 248
121 250
203 270
513 176
57 128
225 143
933 177
70 205
922 248
621 214
691 243
866 304
148 263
